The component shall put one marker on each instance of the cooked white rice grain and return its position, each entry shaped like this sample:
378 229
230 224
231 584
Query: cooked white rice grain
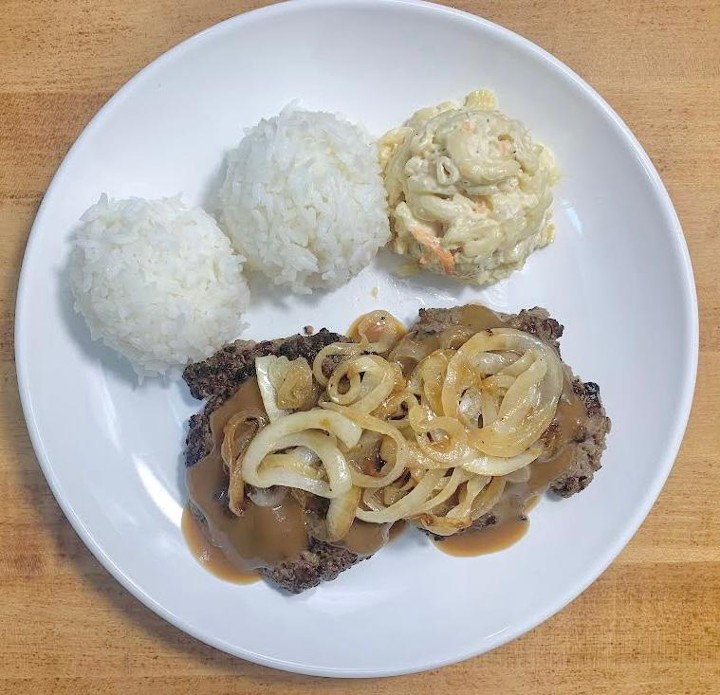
303 200
157 281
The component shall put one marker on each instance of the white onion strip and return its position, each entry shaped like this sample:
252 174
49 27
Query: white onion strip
292 431
404 508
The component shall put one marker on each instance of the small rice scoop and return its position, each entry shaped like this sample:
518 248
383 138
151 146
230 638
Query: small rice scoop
157 281
304 201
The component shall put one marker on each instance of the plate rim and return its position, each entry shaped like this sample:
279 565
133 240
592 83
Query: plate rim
664 467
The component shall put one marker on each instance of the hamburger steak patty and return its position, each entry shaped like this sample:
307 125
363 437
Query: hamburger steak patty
590 439
217 378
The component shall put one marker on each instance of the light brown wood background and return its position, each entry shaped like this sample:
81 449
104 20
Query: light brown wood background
649 625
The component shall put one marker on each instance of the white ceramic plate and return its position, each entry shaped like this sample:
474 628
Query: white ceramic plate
618 276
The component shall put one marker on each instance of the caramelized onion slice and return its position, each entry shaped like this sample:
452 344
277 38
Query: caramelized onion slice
341 514
268 392
377 331
407 505
448 488
371 380
301 430
528 404
497 465
398 458
335 350
237 433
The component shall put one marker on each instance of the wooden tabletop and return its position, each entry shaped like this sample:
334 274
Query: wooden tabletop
650 624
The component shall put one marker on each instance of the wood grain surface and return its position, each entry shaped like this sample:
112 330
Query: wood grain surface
649 625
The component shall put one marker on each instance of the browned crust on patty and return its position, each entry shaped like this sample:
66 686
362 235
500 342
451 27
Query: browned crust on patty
537 322
221 374
590 442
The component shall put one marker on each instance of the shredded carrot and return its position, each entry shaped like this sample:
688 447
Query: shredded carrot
433 245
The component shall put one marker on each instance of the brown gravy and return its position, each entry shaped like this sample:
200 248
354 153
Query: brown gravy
364 538
211 558
396 530
263 536
487 540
